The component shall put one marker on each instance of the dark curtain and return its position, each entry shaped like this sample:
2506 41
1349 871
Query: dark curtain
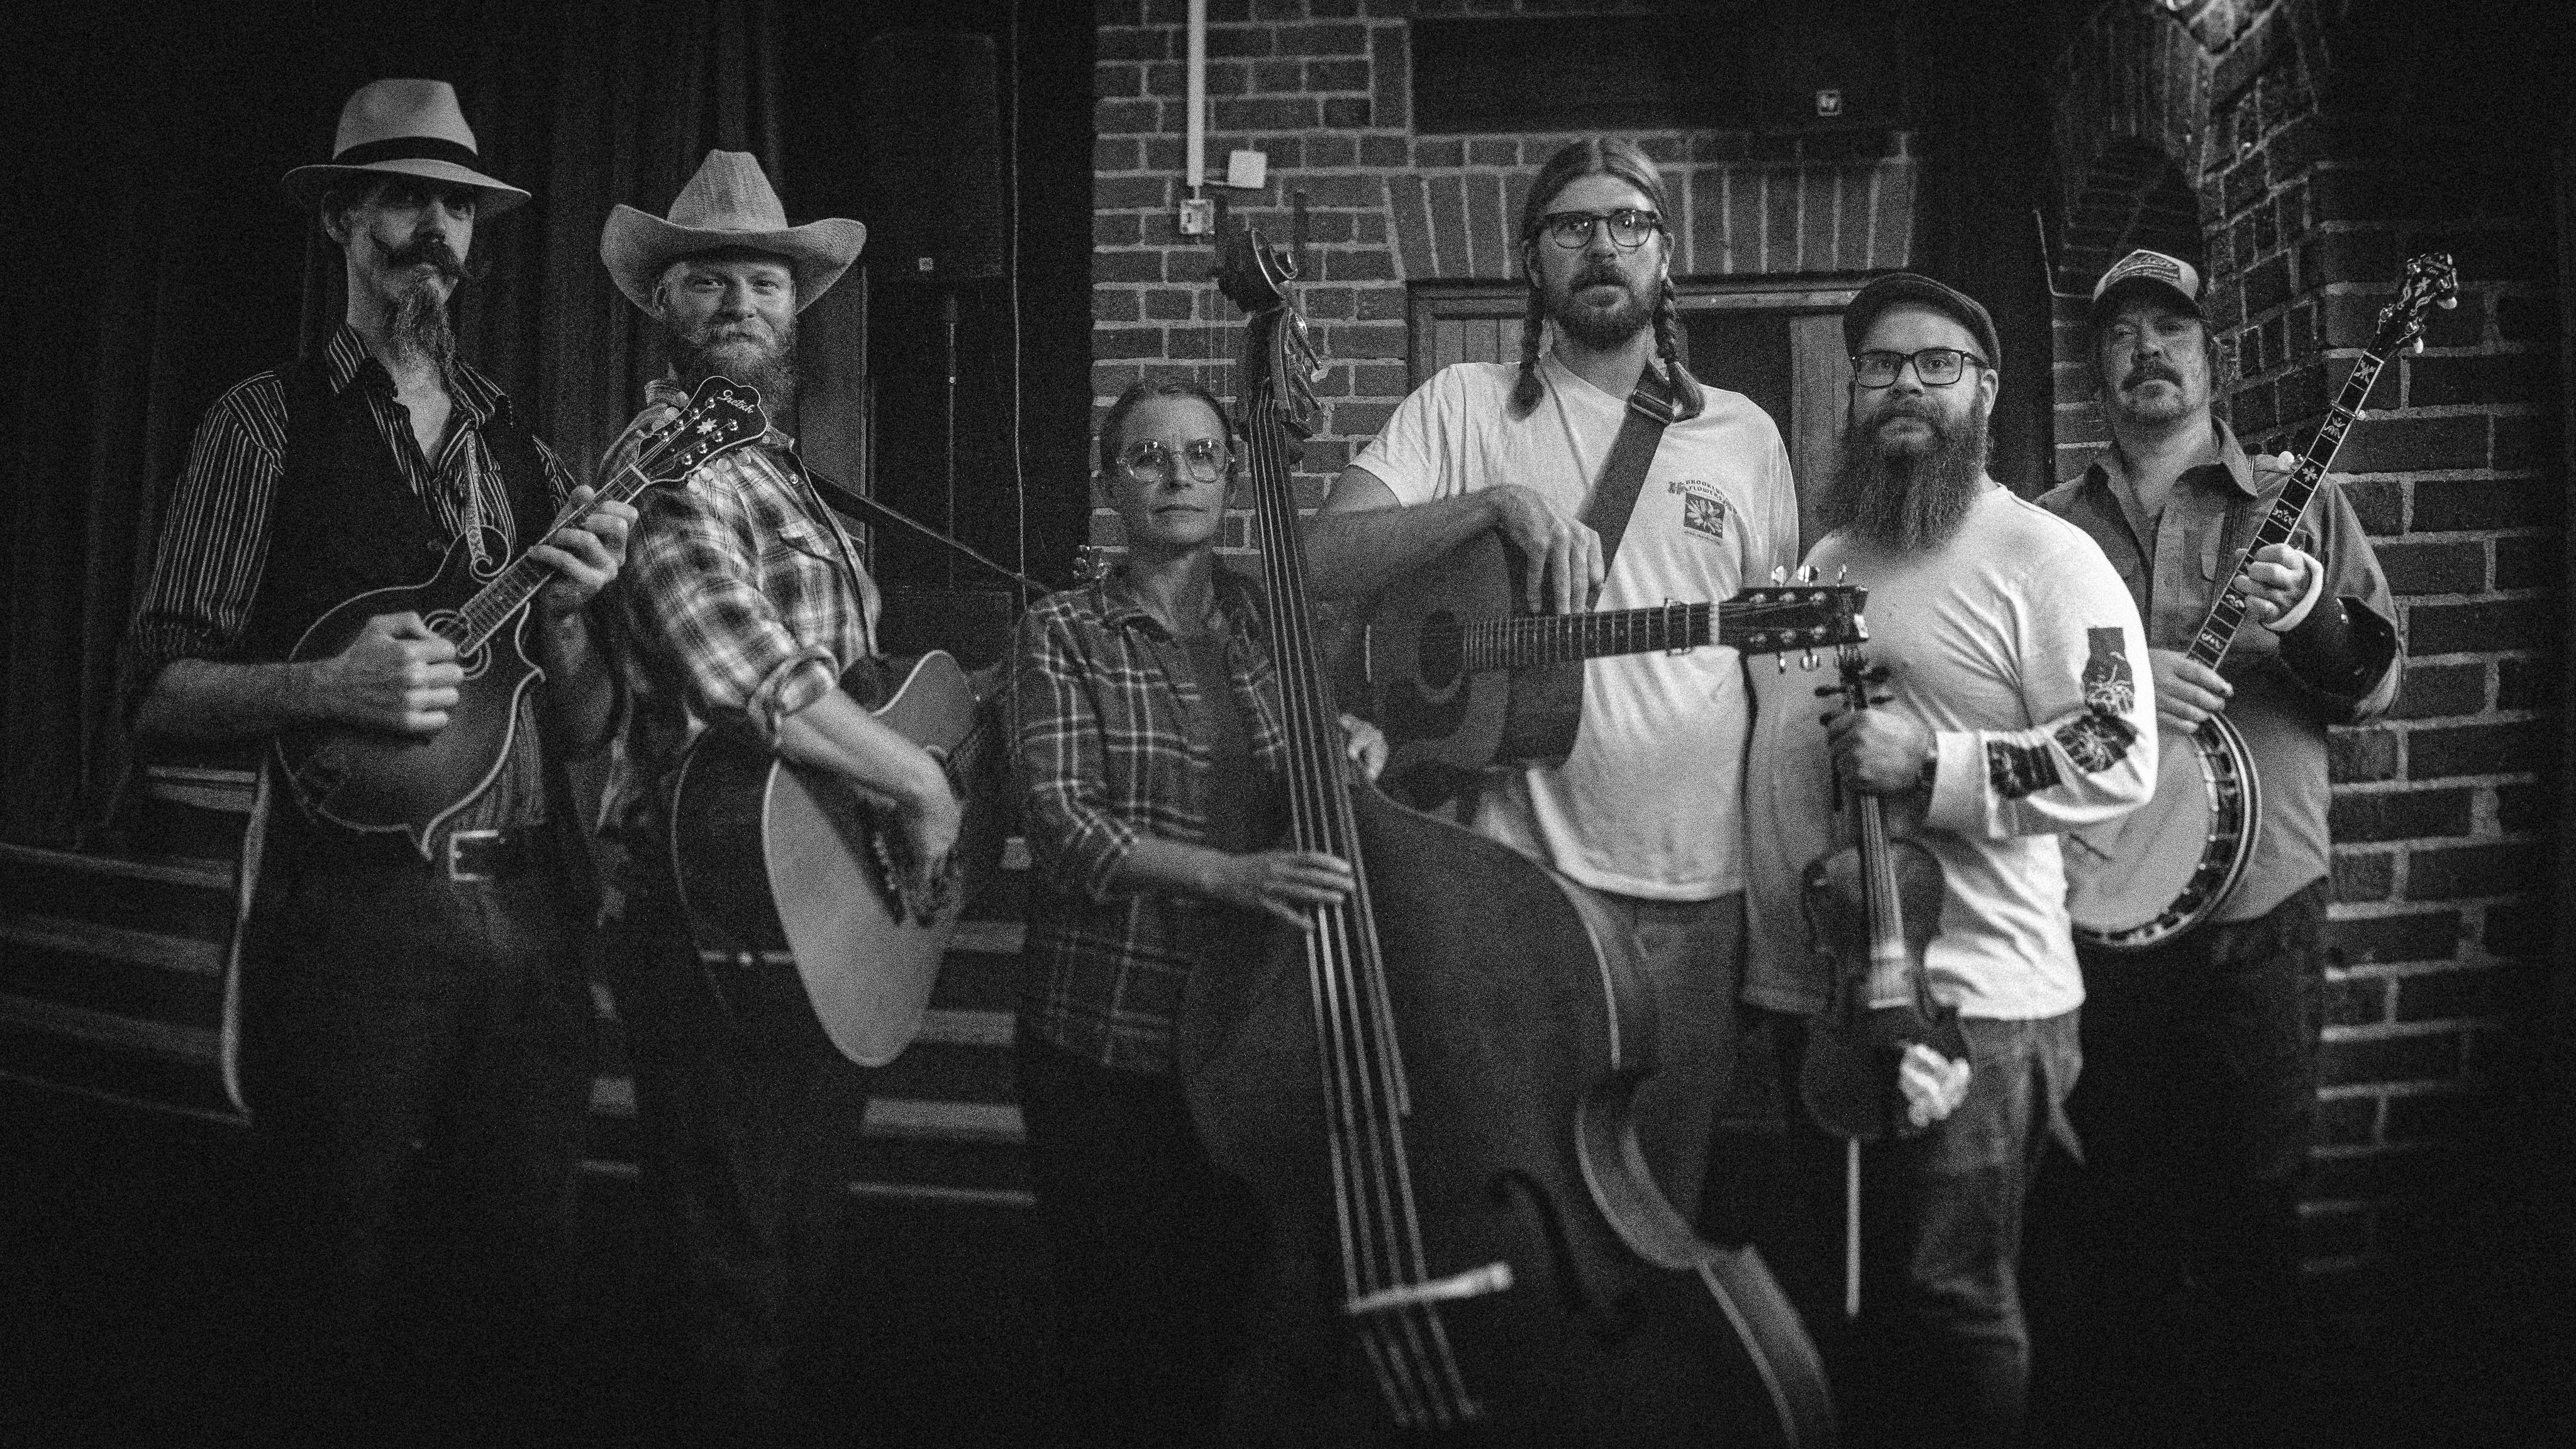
153 264
1979 98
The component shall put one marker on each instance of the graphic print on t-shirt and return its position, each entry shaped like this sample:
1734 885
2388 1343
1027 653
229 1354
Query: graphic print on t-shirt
2018 770
1703 508
2096 742
2109 688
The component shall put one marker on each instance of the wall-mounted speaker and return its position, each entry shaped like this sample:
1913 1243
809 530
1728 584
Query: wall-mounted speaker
934 149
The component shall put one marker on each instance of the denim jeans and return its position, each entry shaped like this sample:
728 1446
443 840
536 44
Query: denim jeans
1942 1216
2176 1246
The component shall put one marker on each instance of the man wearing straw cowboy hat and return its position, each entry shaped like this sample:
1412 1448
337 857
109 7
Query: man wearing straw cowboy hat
392 994
743 610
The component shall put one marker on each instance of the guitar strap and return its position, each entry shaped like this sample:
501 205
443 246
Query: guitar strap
1641 431
1541 698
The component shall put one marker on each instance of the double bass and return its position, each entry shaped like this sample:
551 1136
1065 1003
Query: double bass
1430 1093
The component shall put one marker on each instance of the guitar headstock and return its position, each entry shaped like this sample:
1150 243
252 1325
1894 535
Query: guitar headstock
2431 281
1280 363
722 415
1794 616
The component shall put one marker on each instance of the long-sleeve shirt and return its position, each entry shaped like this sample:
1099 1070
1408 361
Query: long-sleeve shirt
1111 746
2288 688
213 546
737 607
2015 645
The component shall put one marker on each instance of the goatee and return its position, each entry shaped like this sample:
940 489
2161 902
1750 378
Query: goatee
1599 328
417 328
1907 496
742 353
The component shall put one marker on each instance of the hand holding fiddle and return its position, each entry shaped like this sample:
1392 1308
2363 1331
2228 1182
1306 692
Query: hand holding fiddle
1878 750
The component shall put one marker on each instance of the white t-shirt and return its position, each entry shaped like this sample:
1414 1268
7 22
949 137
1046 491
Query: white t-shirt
2019 647
1648 803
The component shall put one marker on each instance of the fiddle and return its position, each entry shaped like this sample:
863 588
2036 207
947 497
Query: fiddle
1430 1093
1872 907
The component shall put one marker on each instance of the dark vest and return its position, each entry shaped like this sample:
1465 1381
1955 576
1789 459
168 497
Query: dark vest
344 520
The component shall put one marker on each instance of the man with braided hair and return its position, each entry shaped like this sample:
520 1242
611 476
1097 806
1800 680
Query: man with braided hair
1646 809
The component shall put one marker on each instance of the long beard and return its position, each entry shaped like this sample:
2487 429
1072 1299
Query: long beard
1910 497
417 328
728 350
1601 329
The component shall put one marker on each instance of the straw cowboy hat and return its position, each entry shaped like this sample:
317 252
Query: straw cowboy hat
403 128
727 204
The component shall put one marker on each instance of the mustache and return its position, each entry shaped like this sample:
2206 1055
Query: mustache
2147 372
434 252
1598 274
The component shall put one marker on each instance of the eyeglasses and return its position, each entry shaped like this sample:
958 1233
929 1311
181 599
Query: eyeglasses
1629 227
1149 461
1936 366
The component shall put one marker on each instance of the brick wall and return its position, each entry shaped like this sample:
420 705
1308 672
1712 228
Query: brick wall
1321 86
2279 123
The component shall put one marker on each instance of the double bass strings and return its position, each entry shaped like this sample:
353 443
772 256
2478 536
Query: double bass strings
1363 1077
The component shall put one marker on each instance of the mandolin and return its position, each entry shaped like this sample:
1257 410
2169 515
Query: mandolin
1430 1095
378 782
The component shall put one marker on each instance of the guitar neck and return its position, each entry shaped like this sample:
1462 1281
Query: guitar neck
1561 638
2227 611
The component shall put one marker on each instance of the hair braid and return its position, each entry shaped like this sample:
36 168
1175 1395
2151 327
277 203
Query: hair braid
1527 392
1672 345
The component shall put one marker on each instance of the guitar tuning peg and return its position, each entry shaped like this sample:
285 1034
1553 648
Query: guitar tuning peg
1779 574
1782 660
2419 347
1825 689
1881 698
1806 661
1875 674
1841 572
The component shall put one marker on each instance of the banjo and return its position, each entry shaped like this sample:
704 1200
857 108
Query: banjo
2158 871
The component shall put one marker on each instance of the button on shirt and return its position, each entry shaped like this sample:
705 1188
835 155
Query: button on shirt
213 543
738 608
2175 564
1113 745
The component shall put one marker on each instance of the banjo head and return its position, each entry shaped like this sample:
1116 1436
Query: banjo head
2159 870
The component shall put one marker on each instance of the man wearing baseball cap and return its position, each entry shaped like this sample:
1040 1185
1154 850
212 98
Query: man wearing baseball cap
2199 1095
2016 706
395 990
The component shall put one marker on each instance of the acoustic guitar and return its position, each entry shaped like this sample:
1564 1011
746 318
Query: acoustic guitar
774 858
1461 678
379 782
2150 875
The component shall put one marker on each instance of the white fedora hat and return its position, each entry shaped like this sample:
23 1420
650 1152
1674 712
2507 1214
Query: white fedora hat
729 203
407 128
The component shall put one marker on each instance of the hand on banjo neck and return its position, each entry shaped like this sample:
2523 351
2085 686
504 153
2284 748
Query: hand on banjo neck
2273 581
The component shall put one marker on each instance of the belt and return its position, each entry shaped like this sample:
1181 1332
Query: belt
461 857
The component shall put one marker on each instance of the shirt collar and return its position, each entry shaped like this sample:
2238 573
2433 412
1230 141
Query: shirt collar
665 391
345 360
2109 468
1121 607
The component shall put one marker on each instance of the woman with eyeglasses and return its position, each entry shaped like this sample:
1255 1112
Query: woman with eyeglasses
1151 747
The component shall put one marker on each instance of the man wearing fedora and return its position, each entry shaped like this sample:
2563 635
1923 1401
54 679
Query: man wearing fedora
743 610
393 997
2198 1102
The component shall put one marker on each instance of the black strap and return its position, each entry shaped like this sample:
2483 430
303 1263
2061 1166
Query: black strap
862 506
1641 431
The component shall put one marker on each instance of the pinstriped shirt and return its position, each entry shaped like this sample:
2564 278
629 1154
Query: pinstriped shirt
213 544
1110 748
736 609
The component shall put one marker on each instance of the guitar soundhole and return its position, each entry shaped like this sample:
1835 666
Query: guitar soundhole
1441 652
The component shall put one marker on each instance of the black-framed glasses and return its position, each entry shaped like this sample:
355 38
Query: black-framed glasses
1937 366
1629 227
1149 461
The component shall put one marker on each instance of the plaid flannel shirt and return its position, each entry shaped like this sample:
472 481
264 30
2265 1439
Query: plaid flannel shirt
735 610
1104 699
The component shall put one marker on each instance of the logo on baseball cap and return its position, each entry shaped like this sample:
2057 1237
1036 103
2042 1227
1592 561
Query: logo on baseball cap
2154 271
